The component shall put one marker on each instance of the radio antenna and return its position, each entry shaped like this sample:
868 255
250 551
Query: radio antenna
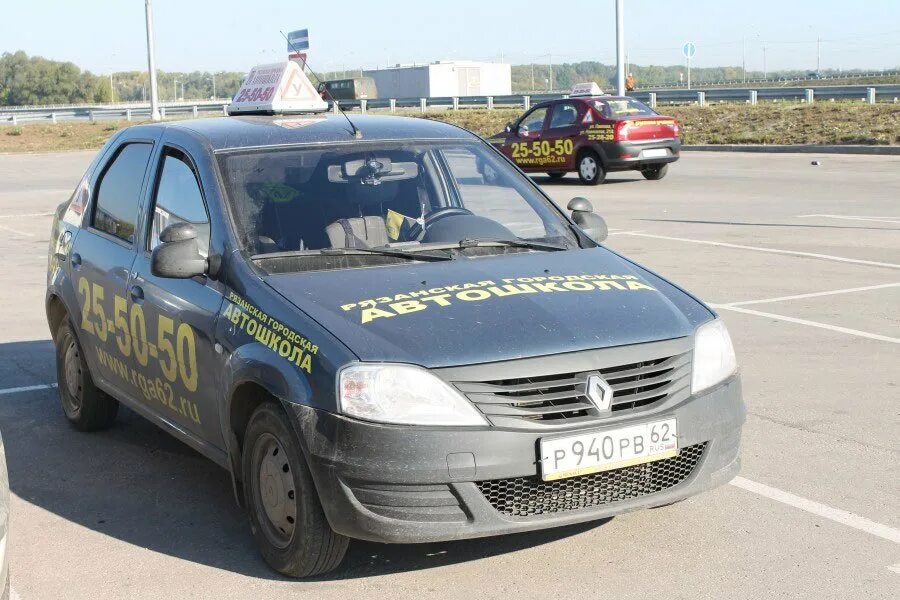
354 130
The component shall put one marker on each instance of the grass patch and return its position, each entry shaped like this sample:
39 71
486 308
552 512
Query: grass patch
766 123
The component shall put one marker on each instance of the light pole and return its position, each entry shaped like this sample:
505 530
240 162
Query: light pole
744 59
112 92
214 85
550 58
151 63
818 54
620 47
175 89
765 72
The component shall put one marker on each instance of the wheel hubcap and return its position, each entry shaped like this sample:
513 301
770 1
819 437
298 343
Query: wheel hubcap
588 167
72 366
276 489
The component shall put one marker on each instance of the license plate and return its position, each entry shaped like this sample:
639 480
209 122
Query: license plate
654 153
605 450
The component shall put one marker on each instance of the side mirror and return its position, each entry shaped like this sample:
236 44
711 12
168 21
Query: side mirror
593 225
178 256
509 127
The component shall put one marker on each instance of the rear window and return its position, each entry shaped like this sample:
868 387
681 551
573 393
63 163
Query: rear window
623 108
119 190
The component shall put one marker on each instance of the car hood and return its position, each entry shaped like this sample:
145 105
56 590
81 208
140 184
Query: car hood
494 308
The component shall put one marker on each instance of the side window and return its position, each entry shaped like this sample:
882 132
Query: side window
564 115
119 190
178 200
534 120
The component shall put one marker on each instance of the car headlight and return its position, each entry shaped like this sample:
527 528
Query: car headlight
403 394
714 358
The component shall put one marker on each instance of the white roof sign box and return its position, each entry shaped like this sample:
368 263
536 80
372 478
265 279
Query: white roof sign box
277 88
586 89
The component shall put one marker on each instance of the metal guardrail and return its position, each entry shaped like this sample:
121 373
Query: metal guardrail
871 94
16 116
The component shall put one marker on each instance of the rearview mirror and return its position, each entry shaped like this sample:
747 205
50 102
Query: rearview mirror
178 255
593 225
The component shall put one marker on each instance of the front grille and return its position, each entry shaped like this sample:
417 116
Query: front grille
559 398
530 496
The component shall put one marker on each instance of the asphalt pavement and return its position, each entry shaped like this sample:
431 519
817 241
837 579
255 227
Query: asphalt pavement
803 263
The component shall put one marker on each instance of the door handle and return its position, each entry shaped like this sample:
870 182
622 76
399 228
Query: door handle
137 293
76 260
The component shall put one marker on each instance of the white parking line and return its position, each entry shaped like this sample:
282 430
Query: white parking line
847 330
619 232
834 514
813 294
771 250
10 229
13 594
895 568
854 218
27 388
44 214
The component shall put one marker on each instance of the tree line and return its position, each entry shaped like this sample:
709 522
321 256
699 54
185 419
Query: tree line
32 80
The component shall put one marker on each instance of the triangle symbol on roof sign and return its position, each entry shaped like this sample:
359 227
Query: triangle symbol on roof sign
298 87
588 117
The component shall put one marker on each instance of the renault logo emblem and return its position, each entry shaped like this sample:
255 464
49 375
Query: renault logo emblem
599 392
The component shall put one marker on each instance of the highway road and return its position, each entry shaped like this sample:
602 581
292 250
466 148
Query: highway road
803 263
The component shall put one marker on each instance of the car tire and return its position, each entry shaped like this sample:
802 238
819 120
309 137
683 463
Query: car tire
286 516
590 169
655 172
86 407
556 176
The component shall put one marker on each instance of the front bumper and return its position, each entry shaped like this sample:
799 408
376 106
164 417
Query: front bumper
416 484
623 156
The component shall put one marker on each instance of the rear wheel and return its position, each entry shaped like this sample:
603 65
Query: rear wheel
86 407
590 170
654 172
286 516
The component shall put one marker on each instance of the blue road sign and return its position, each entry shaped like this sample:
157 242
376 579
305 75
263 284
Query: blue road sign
689 49
298 40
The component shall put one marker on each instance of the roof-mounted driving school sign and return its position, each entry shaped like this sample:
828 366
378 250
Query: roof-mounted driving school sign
278 88
586 89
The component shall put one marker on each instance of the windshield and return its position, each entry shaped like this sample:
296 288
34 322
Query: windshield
394 195
623 108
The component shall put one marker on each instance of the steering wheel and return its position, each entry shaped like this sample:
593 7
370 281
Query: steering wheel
417 231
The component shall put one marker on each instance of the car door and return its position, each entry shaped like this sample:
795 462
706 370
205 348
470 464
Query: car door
100 263
179 361
525 139
559 136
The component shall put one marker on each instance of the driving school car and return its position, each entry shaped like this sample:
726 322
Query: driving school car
381 329
591 134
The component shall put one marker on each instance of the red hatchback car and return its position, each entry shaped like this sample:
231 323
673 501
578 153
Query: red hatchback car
591 135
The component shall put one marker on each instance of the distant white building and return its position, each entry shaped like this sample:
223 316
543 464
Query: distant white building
443 79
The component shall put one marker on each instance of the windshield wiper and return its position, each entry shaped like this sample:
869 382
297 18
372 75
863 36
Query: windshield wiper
412 255
467 243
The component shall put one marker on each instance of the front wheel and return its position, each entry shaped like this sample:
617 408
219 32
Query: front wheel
590 170
654 172
286 516
86 407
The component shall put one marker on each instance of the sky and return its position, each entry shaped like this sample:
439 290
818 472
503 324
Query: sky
233 35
